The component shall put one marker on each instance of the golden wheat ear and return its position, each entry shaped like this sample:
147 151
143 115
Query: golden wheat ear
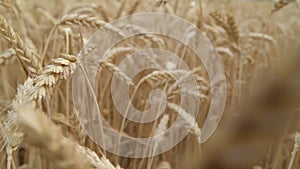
29 60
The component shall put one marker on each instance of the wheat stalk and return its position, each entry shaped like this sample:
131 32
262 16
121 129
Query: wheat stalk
29 60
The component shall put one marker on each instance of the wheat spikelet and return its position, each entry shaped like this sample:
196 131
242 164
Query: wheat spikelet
36 89
280 4
225 51
114 69
42 133
219 18
232 28
162 125
89 21
28 59
262 36
7 55
99 163
184 78
60 118
228 24
164 165
189 120
60 68
111 56
77 130
145 36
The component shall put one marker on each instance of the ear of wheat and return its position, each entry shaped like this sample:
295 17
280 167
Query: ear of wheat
35 89
29 60
89 21
228 24
188 120
280 4
42 133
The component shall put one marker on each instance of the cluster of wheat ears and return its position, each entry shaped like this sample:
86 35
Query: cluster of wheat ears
40 43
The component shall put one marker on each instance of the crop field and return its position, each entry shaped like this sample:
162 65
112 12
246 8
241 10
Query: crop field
149 84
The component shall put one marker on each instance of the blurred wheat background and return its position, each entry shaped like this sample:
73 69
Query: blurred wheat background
257 42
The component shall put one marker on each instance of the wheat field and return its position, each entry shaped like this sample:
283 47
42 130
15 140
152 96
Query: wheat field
41 47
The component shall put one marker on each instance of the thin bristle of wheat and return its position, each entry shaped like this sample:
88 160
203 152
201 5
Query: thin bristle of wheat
29 60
